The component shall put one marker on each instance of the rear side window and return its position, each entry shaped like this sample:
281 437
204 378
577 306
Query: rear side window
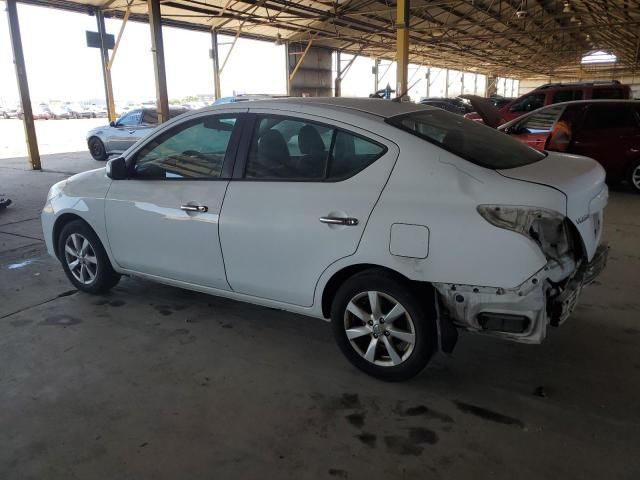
470 140
541 121
605 117
292 149
607 93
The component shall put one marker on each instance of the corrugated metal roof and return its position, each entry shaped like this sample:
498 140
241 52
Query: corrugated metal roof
492 37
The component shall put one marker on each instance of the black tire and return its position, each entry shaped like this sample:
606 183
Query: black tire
97 150
105 277
634 175
416 302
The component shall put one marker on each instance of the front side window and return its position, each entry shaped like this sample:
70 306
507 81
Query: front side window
296 149
131 119
529 103
470 140
566 96
540 122
194 149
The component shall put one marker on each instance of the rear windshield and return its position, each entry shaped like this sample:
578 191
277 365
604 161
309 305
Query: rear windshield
470 140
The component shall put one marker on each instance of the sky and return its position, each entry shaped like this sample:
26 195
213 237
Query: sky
60 67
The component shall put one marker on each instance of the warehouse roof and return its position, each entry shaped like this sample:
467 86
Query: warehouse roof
508 38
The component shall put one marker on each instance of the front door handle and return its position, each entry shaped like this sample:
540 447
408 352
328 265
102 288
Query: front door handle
349 221
195 208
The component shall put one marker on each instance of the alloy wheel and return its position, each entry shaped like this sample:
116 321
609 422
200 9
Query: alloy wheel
379 328
81 258
635 177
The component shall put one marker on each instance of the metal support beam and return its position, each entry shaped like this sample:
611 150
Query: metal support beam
228 55
337 90
376 68
216 67
402 46
446 83
157 49
304 54
287 67
23 85
428 81
106 67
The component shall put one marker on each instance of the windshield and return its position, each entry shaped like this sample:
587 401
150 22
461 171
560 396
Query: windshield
470 140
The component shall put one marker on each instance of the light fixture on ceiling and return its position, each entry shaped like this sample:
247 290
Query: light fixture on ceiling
521 13
436 32
278 39
567 8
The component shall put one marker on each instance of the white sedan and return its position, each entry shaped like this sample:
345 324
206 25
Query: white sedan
401 223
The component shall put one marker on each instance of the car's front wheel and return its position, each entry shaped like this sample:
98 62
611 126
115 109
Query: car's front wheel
634 175
84 259
384 325
97 150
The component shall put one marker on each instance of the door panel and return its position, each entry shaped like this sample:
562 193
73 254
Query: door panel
610 133
163 221
150 233
274 242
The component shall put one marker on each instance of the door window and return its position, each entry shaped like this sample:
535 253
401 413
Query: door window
529 103
600 117
296 149
540 122
192 149
131 119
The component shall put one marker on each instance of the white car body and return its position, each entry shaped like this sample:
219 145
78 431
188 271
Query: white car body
417 205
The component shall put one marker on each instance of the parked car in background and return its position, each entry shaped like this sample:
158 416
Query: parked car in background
118 136
453 105
606 130
78 111
8 112
39 113
247 98
399 222
99 111
58 112
551 93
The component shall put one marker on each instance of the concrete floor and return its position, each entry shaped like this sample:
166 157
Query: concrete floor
156 382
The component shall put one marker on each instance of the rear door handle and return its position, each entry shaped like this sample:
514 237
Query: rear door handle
195 208
349 221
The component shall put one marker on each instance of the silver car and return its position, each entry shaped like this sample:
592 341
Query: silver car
118 136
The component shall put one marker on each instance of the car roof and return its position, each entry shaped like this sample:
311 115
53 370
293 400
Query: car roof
373 106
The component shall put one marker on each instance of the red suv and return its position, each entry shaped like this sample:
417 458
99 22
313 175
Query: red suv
560 92
606 130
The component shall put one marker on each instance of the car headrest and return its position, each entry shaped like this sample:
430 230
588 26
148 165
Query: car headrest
272 148
345 146
309 140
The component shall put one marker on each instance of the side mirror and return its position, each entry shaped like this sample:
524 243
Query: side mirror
117 169
112 123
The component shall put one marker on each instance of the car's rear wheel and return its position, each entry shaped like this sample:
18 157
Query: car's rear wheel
97 150
84 259
634 175
384 325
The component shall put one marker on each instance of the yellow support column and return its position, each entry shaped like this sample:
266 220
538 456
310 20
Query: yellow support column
402 46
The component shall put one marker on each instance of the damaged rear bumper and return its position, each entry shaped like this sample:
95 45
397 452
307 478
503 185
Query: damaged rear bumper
522 313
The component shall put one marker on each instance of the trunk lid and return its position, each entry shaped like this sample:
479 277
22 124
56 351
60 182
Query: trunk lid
581 179
484 108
